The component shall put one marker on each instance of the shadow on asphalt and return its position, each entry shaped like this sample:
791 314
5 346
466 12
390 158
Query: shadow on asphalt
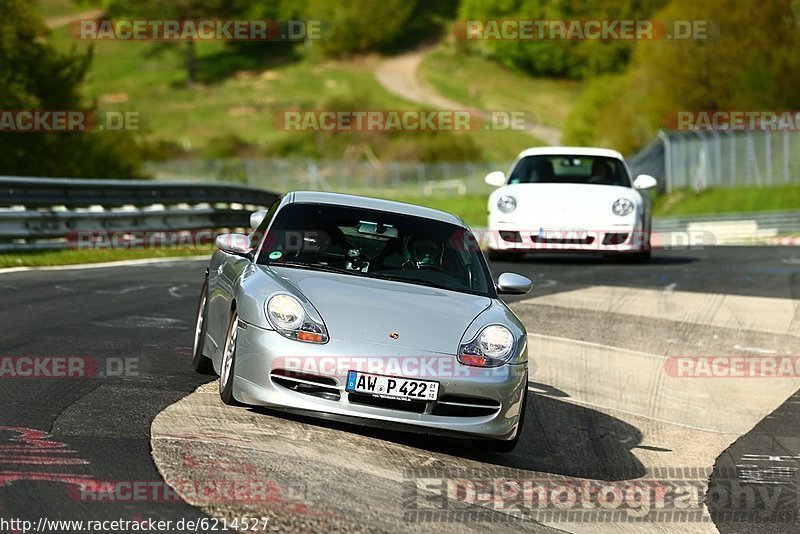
548 390
755 484
559 438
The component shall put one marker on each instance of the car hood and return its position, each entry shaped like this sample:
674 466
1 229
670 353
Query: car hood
559 197
367 310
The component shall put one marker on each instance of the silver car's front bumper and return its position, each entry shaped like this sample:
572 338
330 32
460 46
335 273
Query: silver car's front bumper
473 402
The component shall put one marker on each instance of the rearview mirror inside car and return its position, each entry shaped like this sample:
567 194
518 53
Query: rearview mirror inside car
377 229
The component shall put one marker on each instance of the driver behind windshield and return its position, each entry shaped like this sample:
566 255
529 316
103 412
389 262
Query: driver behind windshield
599 171
425 252
375 244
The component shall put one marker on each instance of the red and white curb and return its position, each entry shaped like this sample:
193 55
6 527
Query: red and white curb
785 241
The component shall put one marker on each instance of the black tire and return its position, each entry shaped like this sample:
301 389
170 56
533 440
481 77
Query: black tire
639 257
647 250
201 363
226 388
493 445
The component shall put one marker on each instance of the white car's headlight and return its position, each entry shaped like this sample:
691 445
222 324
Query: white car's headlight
493 347
622 207
507 204
290 319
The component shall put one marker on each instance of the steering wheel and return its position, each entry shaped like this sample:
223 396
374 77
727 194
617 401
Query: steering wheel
429 267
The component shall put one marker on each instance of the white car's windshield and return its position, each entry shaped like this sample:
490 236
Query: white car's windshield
377 244
597 170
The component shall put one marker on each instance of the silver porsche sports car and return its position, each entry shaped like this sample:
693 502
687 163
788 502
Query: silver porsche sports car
368 311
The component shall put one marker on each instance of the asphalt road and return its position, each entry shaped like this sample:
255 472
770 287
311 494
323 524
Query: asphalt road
142 317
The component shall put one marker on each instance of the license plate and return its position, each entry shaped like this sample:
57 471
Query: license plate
388 386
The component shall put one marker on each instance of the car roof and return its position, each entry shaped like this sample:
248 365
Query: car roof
355 201
569 151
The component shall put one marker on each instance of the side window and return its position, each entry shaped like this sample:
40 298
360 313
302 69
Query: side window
257 235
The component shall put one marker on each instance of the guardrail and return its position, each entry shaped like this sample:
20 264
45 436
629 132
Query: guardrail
40 213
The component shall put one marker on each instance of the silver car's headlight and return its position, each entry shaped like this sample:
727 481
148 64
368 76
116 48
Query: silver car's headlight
507 204
492 347
622 207
289 318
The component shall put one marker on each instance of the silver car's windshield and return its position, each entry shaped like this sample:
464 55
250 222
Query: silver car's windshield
598 170
376 244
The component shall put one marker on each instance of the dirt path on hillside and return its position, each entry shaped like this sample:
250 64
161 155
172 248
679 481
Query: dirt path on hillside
57 22
400 76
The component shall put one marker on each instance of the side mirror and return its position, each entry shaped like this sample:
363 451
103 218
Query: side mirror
256 218
513 284
645 181
238 244
496 179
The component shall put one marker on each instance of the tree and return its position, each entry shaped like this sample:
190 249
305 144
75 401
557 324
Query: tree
33 76
556 57
178 10
356 26
749 60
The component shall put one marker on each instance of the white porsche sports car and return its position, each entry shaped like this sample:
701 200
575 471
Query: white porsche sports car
569 199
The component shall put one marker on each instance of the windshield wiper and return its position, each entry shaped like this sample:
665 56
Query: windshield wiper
315 267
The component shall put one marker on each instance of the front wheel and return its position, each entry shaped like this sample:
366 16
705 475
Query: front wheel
201 363
646 249
226 368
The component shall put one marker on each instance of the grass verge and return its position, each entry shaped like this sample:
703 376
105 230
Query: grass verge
485 84
733 200
240 90
76 257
